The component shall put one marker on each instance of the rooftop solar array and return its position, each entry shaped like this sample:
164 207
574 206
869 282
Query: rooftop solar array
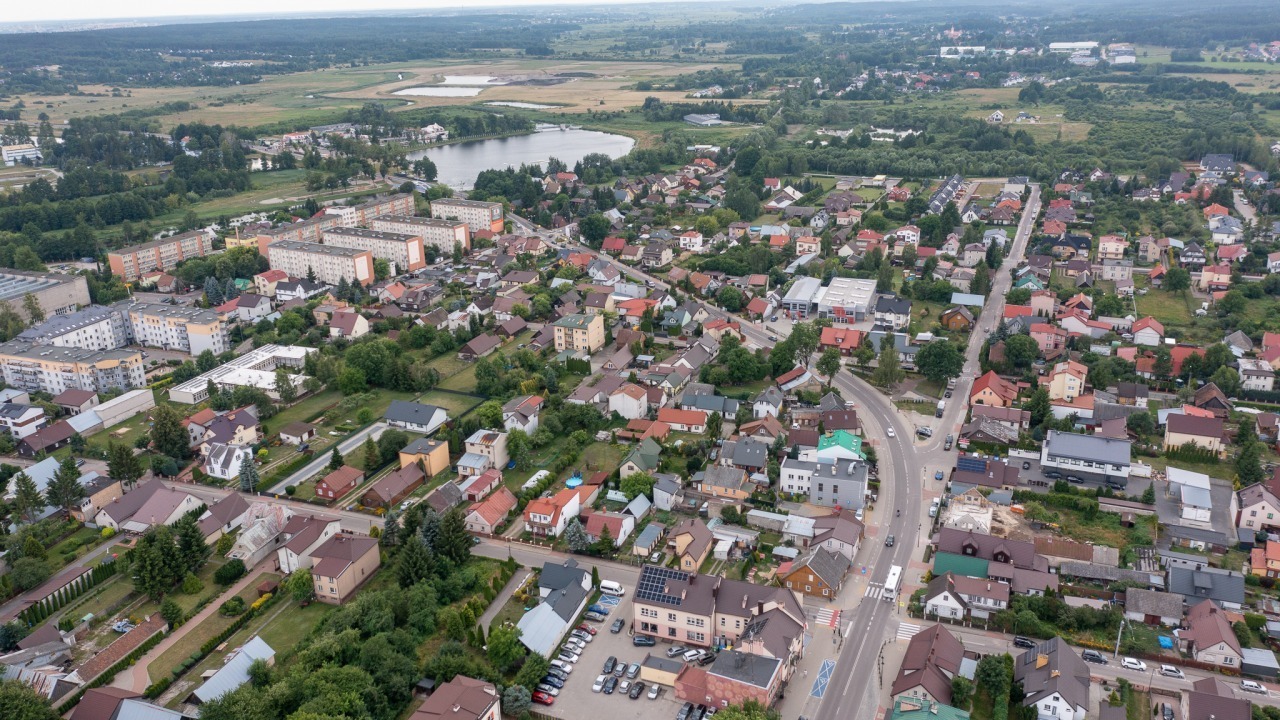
971 464
653 583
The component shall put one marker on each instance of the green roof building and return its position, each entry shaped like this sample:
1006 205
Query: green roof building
907 708
959 565
840 445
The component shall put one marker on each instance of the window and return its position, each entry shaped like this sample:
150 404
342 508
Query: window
825 591
648 612
808 588
671 617
819 487
671 632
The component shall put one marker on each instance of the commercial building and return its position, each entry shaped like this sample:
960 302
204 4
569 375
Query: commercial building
96 327
329 263
476 214
580 332
131 262
439 233
1074 453
800 298
847 299
56 294
253 369
403 250
174 327
53 369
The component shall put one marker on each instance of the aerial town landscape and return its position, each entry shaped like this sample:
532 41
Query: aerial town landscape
553 362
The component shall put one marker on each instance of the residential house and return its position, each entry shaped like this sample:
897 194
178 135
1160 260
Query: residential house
547 517
961 597
521 413
415 417
339 482
1055 680
1202 432
341 564
1208 636
818 573
934 657
462 698
432 455
691 540
1067 380
393 488
484 449
991 389
1148 331
348 325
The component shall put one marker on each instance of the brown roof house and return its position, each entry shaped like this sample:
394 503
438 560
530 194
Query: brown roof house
394 487
693 541
1209 637
462 698
485 516
820 573
934 656
341 564
339 482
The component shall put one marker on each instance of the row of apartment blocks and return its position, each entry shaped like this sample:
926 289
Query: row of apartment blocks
54 369
133 262
477 214
100 328
329 264
312 230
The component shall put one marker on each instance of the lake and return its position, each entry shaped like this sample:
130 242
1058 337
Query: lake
440 91
521 105
458 165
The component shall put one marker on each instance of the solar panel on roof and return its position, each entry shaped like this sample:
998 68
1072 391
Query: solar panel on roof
653 583
971 464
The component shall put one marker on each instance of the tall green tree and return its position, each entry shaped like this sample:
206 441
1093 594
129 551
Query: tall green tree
284 387
64 489
19 702
123 465
454 542
888 372
416 563
168 436
829 364
34 312
335 459
940 361
248 475
192 548
27 498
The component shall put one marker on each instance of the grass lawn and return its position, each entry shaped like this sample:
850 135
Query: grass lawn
1139 705
1169 308
457 405
449 364
511 612
307 407
1222 471
464 381
126 433
111 594
85 539
197 635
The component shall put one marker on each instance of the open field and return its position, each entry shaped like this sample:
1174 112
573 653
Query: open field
457 405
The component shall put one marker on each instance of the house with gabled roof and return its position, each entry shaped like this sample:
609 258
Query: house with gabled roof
934 657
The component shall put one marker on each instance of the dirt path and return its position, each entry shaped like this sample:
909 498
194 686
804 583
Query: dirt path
137 678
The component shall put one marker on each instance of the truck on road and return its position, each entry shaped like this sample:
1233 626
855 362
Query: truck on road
942 405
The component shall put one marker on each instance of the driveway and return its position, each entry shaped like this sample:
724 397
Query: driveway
322 459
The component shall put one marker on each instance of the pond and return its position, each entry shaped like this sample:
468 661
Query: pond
521 105
440 91
458 165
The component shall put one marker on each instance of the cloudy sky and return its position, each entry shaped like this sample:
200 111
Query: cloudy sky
24 12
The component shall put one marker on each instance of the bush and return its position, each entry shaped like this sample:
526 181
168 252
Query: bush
191 584
232 607
229 573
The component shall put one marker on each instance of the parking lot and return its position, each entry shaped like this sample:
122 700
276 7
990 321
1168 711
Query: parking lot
576 699
1033 476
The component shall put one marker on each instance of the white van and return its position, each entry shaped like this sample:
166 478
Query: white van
610 587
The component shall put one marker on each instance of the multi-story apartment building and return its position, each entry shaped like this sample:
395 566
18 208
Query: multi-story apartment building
329 263
131 262
308 231
364 213
580 332
478 215
444 235
174 327
55 369
312 229
56 294
403 251
96 327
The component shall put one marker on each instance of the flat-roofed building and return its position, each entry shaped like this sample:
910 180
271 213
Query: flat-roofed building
436 232
800 298
847 299
174 327
131 262
329 263
477 214
55 369
403 251
308 230
57 294
256 368
96 327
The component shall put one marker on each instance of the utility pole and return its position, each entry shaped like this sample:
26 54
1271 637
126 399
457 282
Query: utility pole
1118 634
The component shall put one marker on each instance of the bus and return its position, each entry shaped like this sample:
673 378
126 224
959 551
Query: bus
892 582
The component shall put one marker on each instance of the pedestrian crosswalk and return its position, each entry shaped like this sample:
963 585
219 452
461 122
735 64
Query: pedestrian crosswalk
906 631
827 617
875 591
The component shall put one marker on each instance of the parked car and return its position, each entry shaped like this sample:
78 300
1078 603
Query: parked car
1094 657
619 670
543 699
587 629
1052 474
548 689
598 685
574 644
1129 663
598 609
610 684
561 665
924 432
637 689
675 650
1173 672
938 475
633 670
1253 687
1166 712
594 617
617 626
1075 479
558 673
569 656
654 689
706 659
553 681
580 635
624 686
609 664
1023 642
1026 464
643 641
684 711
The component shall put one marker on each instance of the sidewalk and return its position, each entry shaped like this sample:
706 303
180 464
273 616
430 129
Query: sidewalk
501 599
136 677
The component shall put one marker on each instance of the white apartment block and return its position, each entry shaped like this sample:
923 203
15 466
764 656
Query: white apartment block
96 327
56 369
403 251
256 368
330 263
442 234
478 215
174 327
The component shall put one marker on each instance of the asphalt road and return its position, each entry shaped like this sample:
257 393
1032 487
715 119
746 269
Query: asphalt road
322 459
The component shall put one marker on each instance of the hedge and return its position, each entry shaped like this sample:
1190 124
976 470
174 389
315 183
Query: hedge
111 672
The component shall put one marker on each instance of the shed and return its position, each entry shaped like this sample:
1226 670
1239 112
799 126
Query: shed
235 672
658 670
784 553
722 549
647 541
1260 662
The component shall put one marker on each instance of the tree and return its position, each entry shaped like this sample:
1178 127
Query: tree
888 371
372 456
1249 464
864 354
505 649
829 364
940 361
390 530
516 700
171 611
715 425
804 338
1177 280
1141 423
300 585
1149 495
284 386
192 550
961 691
603 546
27 499
248 475
335 459
19 702
594 228
157 565
639 483
532 671
731 298
454 542
65 490
31 305
1021 350
416 563
575 537
749 710
1039 406
167 434
123 465
229 573
213 292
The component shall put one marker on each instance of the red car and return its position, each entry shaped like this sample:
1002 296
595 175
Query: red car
543 699
587 629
